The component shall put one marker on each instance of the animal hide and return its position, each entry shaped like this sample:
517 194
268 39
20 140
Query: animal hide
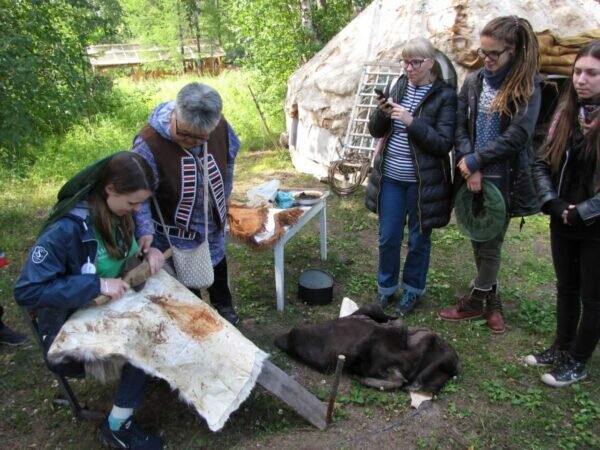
169 333
244 222
380 350
261 227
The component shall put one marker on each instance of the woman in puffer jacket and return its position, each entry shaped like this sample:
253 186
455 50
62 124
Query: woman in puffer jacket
567 177
498 107
411 174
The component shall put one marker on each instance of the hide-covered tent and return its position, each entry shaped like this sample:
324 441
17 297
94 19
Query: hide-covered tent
321 93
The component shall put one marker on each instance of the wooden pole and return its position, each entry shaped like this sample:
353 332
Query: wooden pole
334 388
262 117
292 393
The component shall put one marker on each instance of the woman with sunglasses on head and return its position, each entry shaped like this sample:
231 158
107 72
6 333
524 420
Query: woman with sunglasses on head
172 143
567 177
79 255
411 174
498 107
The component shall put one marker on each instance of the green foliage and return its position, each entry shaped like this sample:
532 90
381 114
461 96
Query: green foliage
46 83
274 42
126 110
330 20
537 316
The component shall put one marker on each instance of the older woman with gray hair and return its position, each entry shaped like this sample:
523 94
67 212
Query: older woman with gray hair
170 142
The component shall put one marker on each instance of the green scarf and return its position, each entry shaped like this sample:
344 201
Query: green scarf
76 189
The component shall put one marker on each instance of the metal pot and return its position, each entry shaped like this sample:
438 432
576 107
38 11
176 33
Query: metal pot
315 287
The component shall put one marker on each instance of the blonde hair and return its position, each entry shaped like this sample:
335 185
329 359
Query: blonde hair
422 47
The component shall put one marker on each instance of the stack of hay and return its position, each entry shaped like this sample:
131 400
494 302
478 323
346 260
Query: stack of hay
557 54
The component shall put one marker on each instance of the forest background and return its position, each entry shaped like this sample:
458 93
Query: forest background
57 115
47 85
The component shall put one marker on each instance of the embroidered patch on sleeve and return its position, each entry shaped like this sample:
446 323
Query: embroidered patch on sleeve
38 254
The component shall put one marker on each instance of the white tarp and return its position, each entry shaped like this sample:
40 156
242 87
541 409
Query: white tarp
169 333
321 93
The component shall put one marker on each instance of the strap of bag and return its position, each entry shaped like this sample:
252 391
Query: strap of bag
205 200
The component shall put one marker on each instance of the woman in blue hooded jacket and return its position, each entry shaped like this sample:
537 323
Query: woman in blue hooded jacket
78 256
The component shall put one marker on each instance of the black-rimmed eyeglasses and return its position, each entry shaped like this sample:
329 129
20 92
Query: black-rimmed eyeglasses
493 55
415 63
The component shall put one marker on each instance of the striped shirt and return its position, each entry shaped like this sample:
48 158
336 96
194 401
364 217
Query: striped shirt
398 164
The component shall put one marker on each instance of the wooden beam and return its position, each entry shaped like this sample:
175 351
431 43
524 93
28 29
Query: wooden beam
293 394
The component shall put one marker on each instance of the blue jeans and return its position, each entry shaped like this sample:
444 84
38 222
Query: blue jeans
130 392
397 201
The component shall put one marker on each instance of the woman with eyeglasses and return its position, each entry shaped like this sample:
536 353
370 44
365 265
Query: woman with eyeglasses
171 142
411 178
567 177
498 107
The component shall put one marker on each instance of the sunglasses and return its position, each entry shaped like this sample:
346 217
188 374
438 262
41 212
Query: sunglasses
187 134
415 63
492 55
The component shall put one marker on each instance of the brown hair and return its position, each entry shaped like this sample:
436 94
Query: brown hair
568 109
128 172
519 83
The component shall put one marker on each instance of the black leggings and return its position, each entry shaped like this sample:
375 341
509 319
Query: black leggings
576 260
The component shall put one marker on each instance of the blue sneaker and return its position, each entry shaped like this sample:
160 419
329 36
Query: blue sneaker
383 300
129 436
407 303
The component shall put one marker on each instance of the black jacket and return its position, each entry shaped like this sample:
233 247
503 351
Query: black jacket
576 181
513 146
430 136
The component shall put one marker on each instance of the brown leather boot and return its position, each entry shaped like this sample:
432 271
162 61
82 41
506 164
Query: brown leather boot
470 306
493 313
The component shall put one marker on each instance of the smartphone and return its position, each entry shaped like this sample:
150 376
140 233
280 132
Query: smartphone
379 93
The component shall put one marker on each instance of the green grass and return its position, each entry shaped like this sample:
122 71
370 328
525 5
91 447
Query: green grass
496 402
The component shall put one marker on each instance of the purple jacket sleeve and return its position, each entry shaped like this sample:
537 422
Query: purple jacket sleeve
143 217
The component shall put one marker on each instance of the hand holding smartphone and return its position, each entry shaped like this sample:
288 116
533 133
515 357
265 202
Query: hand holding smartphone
385 104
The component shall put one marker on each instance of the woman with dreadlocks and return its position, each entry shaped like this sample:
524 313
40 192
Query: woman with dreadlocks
567 177
497 112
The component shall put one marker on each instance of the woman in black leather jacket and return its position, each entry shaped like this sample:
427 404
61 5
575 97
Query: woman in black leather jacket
567 177
498 108
411 174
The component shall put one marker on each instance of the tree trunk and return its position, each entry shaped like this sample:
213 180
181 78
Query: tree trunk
180 32
198 46
322 4
307 19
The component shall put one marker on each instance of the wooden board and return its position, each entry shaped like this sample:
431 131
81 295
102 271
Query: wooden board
293 394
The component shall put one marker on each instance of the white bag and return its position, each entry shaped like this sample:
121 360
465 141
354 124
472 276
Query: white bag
193 266
264 194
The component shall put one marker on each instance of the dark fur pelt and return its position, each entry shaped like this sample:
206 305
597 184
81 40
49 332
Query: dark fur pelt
380 350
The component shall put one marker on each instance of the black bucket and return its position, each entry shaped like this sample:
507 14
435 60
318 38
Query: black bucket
315 287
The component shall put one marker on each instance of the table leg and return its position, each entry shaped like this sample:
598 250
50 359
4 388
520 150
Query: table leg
323 232
279 286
